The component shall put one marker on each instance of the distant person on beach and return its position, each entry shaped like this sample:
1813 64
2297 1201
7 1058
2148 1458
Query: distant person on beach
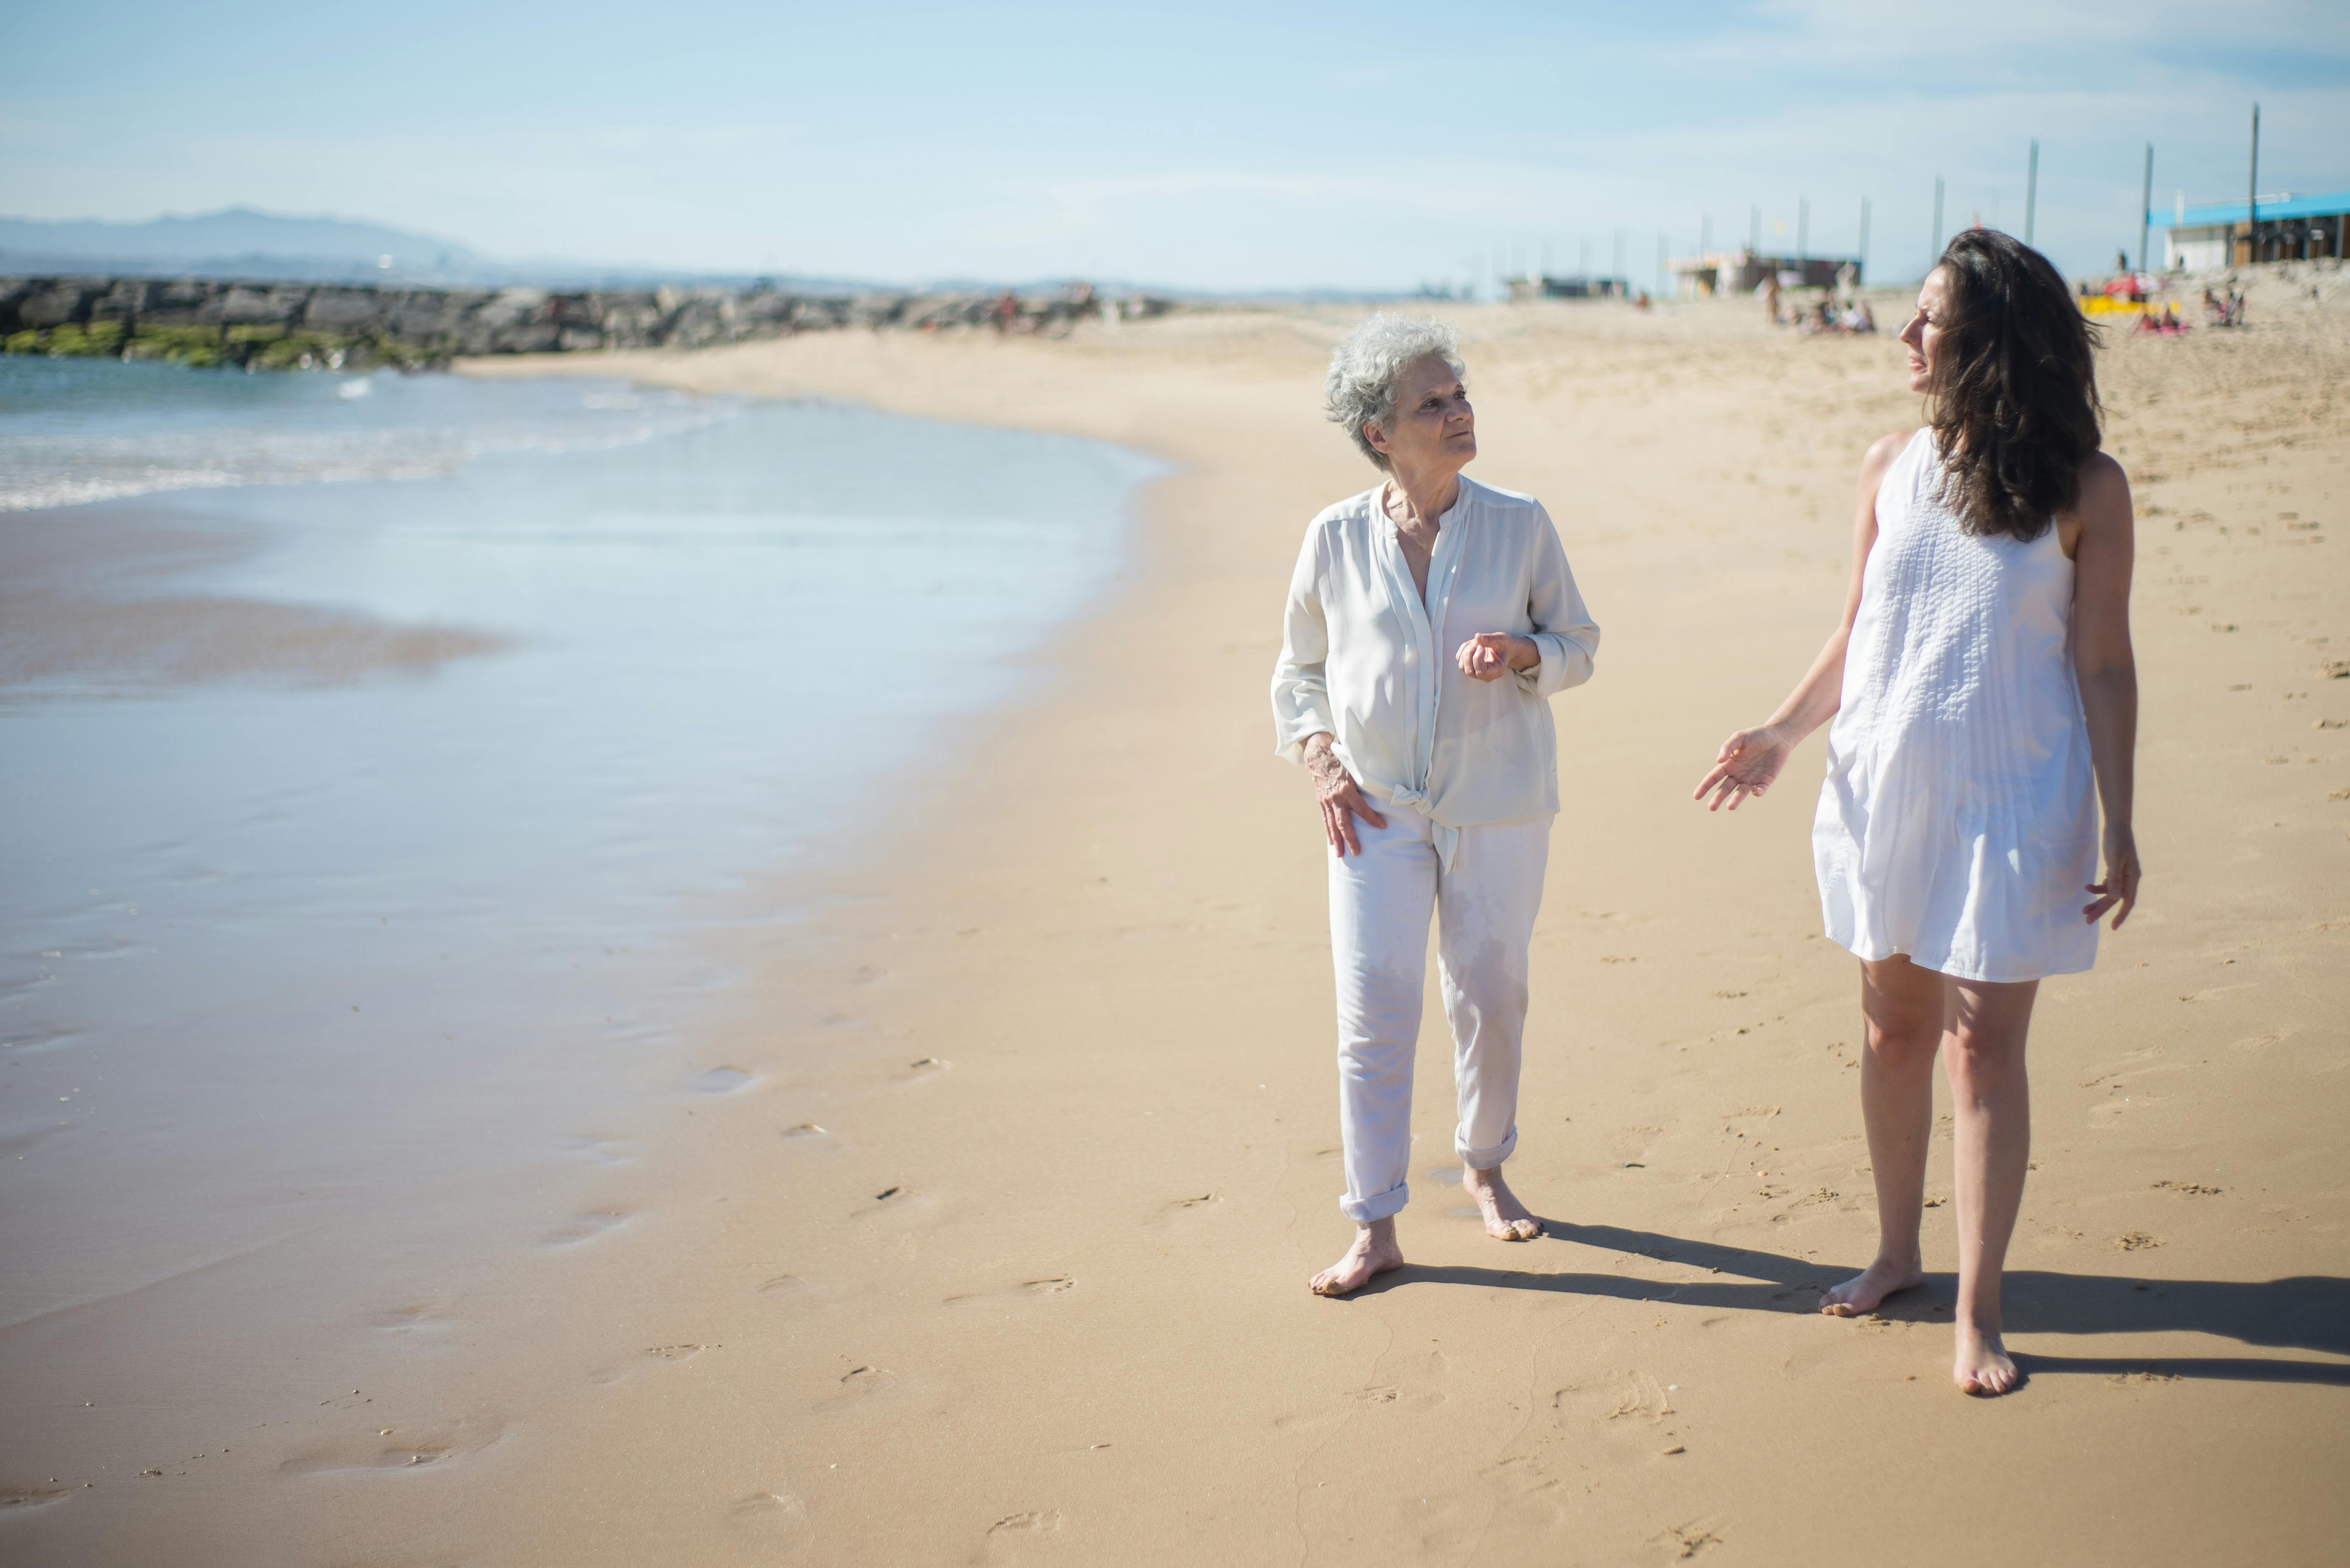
1984 701
1429 621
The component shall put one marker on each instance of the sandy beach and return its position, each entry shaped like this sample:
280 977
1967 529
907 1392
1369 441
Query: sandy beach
995 1250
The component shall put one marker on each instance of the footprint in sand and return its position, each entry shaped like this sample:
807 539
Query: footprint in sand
433 1445
2135 1242
770 1514
421 1317
23 1499
903 1208
812 1138
583 1227
1052 1285
1640 1400
1035 1521
654 1355
856 1385
1683 1542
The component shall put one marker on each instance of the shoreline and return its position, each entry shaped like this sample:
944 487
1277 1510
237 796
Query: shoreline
1002 1255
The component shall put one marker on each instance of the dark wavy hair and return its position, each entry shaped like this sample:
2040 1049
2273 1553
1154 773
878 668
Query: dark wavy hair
2014 403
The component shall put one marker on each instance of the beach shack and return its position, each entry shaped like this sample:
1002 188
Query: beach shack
2283 228
1743 271
1545 287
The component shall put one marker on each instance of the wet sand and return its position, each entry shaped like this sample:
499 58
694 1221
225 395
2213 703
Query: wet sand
987 1241
87 606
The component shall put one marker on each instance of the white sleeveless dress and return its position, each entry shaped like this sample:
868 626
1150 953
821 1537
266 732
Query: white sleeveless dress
1959 822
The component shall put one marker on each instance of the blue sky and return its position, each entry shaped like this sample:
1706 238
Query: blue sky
1365 145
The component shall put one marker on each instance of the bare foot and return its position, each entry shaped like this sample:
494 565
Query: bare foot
1506 1218
1859 1296
1982 1366
1373 1253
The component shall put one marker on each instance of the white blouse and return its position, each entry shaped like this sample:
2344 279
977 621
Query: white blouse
1362 658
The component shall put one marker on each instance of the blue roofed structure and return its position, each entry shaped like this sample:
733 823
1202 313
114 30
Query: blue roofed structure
2287 227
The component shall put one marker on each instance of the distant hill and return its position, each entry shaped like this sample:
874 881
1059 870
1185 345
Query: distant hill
242 241
245 242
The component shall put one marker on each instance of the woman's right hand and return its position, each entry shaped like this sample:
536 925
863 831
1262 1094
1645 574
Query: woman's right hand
1750 759
1342 799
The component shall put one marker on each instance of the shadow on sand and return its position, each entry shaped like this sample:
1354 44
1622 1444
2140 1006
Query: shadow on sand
2306 1313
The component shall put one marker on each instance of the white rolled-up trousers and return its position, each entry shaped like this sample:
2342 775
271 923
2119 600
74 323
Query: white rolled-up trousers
1484 905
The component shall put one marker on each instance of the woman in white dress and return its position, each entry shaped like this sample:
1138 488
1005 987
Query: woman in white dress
1985 705
1431 620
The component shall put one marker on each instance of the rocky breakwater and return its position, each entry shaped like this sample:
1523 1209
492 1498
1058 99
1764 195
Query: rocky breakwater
282 325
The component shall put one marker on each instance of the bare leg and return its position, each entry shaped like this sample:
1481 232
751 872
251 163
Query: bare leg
1902 1011
1506 1218
1984 1063
1373 1253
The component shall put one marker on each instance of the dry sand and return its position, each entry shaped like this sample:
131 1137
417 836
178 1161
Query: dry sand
998 1254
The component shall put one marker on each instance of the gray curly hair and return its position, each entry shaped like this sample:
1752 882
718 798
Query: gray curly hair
1361 388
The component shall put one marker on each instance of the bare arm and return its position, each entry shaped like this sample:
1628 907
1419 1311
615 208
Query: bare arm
1751 759
2102 556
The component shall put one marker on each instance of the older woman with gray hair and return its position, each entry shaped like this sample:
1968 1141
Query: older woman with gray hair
1431 620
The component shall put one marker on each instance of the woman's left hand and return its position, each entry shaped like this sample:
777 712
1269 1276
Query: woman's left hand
1490 655
2119 891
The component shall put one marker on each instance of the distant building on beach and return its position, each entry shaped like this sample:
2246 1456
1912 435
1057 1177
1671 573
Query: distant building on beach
1743 271
1547 287
2283 228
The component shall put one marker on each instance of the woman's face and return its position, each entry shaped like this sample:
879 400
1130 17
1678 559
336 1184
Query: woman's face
1923 336
1433 427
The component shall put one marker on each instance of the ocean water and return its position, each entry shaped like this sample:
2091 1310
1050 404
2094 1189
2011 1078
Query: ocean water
78 430
304 950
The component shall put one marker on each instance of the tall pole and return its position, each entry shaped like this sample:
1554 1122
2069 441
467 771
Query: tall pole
2252 194
2146 207
1862 269
2032 190
1938 218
